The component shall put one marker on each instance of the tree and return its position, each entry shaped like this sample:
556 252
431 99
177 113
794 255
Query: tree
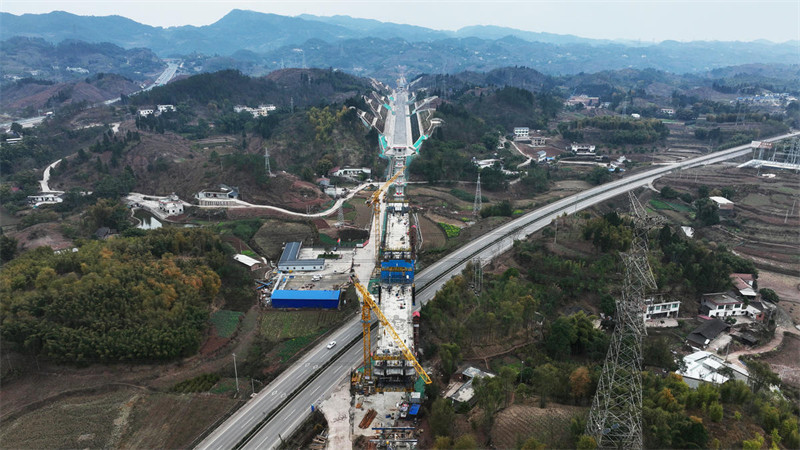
442 416
533 444
559 338
465 442
769 295
580 383
546 380
715 412
443 443
450 354
761 375
586 443
754 444
707 211
8 248
16 128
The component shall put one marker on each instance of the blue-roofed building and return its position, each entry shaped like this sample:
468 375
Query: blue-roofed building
290 261
286 298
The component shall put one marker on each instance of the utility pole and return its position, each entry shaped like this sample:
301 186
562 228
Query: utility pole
236 374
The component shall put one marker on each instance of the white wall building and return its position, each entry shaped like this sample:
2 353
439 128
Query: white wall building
522 132
350 171
658 308
538 141
582 149
171 205
144 112
705 367
165 108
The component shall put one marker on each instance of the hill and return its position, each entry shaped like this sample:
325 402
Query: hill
74 59
302 87
33 94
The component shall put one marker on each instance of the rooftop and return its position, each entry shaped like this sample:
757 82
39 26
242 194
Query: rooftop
706 366
721 200
291 252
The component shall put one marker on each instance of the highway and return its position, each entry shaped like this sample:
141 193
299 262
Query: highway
428 282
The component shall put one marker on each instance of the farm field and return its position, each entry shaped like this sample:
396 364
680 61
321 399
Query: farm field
123 418
550 425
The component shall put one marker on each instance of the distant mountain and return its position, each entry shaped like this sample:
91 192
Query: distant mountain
71 59
258 43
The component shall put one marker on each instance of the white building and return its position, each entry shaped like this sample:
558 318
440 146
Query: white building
224 196
722 203
350 171
705 367
521 132
541 156
658 307
144 112
538 141
260 111
165 108
724 305
45 198
171 205
668 111
582 149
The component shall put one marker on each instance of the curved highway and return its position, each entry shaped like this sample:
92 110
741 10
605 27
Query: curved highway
292 412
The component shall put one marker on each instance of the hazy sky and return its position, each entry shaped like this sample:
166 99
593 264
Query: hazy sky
646 20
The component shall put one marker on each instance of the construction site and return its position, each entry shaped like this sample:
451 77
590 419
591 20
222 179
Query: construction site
389 386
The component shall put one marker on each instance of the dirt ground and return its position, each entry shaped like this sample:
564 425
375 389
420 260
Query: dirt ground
550 425
269 239
785 361
432 234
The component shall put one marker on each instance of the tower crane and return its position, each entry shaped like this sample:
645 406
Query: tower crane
368 304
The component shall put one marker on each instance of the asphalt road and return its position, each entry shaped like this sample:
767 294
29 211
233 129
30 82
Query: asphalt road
428 281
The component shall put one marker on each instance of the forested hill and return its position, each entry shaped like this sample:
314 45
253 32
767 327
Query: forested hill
74 59
301 87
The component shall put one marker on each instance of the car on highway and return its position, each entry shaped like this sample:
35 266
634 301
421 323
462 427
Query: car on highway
331 344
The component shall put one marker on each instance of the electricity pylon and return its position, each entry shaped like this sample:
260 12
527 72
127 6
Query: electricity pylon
615 420
478 203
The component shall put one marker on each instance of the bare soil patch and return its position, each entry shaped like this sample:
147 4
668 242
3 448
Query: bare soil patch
432 234
785 360
269 239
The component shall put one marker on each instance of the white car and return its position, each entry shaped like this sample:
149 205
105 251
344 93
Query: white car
331 344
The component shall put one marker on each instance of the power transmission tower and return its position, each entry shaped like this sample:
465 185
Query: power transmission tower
266 162
615 420
478 204
477 275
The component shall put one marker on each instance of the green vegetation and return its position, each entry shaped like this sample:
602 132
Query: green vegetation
503 208
618 130
466 196
127 299
226 322
450 231
200 383
769 295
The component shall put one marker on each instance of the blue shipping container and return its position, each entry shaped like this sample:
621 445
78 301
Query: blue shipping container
284 298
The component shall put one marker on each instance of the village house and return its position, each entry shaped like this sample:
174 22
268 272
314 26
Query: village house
707 332
171 206
223 196
582 149
350 172
705 367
